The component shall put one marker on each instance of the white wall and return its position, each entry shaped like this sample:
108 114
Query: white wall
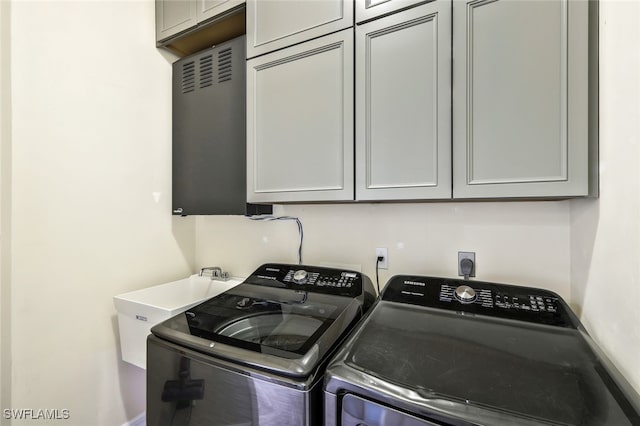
524 243
605 234
5 206
91 143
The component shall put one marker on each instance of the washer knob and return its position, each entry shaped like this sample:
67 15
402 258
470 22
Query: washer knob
300 276
465 294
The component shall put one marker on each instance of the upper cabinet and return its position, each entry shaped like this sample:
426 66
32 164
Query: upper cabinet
173 17
300 122
274 24
403 105
207 9
190 26
453 99
521 99
370 9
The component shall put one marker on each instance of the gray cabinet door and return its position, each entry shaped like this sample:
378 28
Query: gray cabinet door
174 16
369 9
520 98
274 24
300 122
209 8
403 105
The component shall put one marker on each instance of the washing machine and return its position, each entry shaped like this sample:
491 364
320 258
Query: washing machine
255 354
439 351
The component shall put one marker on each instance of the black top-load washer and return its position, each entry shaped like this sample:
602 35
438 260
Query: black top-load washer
437 351
254 355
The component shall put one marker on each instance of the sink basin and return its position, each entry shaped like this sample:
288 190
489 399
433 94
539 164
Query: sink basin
140 310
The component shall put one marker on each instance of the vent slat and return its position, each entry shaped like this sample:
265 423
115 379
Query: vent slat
225 71
206 71
188 77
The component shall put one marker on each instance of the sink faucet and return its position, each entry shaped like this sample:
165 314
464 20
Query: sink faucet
215 272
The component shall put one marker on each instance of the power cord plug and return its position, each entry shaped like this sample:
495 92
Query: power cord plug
466 267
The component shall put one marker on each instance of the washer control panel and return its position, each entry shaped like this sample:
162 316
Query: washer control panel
478 297
341 279
308 278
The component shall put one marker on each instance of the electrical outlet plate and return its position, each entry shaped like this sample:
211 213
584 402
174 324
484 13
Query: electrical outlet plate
384 263
467 255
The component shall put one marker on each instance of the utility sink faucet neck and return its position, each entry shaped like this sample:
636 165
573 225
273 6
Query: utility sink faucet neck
215 272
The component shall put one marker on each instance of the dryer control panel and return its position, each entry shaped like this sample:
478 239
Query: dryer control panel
479 297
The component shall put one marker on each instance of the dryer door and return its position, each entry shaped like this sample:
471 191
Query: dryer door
357 411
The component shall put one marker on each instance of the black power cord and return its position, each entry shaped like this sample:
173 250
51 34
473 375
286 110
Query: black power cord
380 259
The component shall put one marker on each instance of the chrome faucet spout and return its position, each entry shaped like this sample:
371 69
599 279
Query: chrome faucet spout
215 273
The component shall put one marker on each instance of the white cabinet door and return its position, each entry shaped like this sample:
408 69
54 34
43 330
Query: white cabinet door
520 96
369 9
274 24
209 8
403 105
300 122
174 16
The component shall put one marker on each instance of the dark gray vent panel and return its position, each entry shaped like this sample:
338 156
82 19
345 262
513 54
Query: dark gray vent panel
206 71
188 77
209 133
224 65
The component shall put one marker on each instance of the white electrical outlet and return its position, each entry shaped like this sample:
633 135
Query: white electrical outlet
382 252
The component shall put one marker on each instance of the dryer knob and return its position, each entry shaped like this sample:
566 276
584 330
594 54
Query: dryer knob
465 294
300 276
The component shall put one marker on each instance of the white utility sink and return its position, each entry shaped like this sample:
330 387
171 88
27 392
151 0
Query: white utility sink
140 310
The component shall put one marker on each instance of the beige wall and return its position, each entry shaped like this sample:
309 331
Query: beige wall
525 243
5 206
605 234
91 143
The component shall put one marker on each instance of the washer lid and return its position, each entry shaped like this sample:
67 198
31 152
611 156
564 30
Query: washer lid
283 318
284 331
288 327
517 369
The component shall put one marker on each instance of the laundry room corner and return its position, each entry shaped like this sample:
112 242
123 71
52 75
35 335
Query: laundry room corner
605 232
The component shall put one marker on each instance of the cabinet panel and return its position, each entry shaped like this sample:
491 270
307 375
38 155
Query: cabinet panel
403 105
274 24
300 122
369 9
520 98
209 8
174 16
208 136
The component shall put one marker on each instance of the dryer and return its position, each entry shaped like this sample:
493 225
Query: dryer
438 351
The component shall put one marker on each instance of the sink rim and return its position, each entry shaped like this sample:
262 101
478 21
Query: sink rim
173 295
